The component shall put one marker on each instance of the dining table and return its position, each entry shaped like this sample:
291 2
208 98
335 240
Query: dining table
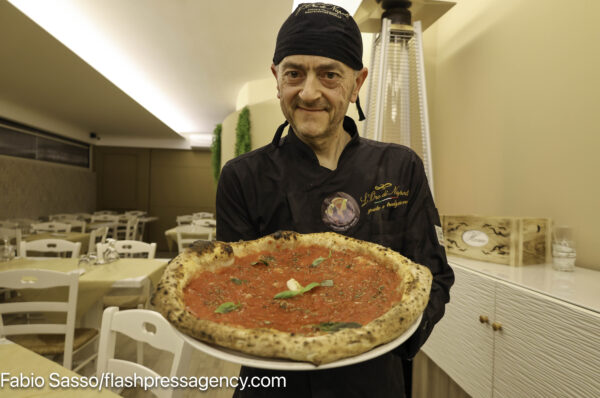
37 376
81 237
95 282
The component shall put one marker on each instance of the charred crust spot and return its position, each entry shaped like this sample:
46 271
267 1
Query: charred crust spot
202 247
285 235
228 249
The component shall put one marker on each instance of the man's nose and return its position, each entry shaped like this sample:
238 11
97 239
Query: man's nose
311 89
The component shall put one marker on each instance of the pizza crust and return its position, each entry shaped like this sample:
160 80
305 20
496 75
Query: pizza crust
265 342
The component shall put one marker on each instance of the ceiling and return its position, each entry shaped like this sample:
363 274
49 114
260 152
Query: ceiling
150 73
194 54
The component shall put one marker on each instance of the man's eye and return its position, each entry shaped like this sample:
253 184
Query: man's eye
293 74
331 75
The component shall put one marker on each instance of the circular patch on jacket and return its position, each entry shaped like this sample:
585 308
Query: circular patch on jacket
340 211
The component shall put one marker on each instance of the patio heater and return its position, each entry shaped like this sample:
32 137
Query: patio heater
397 101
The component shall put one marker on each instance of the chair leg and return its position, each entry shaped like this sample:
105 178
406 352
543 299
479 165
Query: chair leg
140 352
140 345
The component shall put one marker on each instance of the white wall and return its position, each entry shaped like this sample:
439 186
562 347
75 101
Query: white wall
514 119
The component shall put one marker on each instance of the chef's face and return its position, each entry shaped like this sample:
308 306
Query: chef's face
315 92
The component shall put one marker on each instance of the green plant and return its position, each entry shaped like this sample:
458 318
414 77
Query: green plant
242 133
215 150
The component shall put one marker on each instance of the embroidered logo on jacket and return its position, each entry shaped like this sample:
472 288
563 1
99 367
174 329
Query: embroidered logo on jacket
340 211
384 196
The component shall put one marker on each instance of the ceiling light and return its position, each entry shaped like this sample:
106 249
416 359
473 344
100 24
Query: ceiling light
74 26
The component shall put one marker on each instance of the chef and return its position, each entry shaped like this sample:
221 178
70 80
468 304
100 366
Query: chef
322 176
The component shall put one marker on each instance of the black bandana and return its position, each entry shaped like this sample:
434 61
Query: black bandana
320 29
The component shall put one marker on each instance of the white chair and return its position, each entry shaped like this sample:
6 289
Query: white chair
111 219
185 219
78 225
205 222
62 216
203 214
51 226
83 216
97 235
127 228
11 236
45 338
56 247
130 248
147 327
104 212
98 218
188 234
135 213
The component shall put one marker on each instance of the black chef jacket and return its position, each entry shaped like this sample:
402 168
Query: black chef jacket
378 193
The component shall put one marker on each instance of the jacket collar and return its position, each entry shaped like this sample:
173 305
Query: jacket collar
349 127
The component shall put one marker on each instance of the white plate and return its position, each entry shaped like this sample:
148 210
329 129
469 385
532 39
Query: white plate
283 364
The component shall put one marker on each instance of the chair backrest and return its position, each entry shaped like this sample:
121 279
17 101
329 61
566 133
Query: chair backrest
78 225
205 222
136 213
104 218
51 226
97 235
185 219
148 327
41 279
13 238
62 216
104 212
83 216
203 214
127 228
57 247
130 248
188 234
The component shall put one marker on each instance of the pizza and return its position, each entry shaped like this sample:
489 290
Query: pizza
314 297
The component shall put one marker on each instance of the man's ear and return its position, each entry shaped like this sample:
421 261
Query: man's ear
275 72
359 79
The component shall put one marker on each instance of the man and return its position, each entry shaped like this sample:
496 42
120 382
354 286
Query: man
323 177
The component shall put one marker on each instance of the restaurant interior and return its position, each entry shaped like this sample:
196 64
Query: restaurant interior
108 116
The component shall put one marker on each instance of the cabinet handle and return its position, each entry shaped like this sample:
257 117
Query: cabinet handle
483 319
496 326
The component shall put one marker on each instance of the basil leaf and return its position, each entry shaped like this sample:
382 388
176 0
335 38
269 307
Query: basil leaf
310 286
335 326
327 283
238 281
264 260
293 293
287 294
227 307
317 262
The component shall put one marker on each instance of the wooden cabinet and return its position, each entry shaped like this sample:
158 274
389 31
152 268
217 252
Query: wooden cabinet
503 338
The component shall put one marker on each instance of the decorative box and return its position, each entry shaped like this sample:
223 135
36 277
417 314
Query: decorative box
504 240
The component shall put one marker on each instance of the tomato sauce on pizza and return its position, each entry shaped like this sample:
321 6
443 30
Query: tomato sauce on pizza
307 290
